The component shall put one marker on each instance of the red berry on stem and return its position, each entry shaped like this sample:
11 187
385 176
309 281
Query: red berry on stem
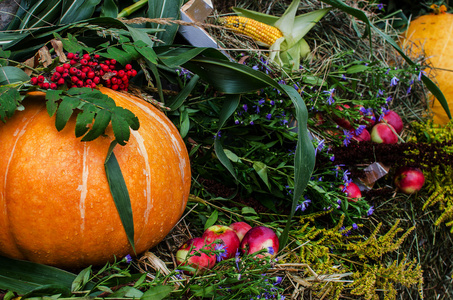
120 73
86 56
40 79
114 87
96 79
45 85
74 79
34 80
73 62
73 71
66 66
79 83
60 81
59 69
90 74
134 72
112 61
128 67
53 86
70 55
83 62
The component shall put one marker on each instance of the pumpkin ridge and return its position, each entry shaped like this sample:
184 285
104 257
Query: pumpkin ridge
18 133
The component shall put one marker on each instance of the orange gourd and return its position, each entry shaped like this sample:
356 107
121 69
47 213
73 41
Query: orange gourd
55 203
431 35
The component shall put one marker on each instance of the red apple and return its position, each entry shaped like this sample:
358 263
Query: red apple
393 119
364 136
258 238
383 134
343 122
189 255
227 236
240 228
352 192
368 118
409 179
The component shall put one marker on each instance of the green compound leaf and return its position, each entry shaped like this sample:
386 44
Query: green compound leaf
9 101
84 119
64 111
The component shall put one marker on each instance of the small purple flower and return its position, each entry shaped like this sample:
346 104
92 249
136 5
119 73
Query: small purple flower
360 129
223 252
304 205
380 92
255 68
409 90
348 137
261 101
354 226
252 123
419 77
268 116
332 158
343 77
394 81
370 211
388 100
128 258
278 280
237 259
217 135
236 122
270 250
380 6
330 92
320 146
245 107
339 201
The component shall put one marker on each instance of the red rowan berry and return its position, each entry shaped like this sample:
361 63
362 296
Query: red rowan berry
70 55
60 81
45 85
40 79
53 86
34 80
59 69
128 67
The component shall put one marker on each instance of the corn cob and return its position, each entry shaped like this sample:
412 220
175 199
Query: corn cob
258 31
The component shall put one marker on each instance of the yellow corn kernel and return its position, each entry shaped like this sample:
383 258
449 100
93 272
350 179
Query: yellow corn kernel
258 31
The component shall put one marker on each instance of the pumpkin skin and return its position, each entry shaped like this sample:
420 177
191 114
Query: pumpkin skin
56 205
431 34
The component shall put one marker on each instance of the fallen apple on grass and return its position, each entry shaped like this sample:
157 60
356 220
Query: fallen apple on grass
383 134
352 191
364 135
393 119
189 254
227 236
240 228
259 238
409 180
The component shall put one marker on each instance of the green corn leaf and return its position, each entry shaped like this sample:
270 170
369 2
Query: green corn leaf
228 77
9 75
174 57
229 107
23 276
77 10
304 161
84 119
9 101
158 9
109 9
260 17
119 193
65 110
175 102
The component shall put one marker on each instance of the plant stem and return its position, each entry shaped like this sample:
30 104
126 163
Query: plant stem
131 9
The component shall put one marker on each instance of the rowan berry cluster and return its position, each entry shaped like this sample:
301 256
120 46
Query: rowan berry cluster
87 71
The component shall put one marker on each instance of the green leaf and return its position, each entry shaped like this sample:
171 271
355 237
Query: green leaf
9 75
101 121
184 122
127 292
109 9
52 96
175 102
77 10
84 119
121 56
212 219
304 161
120 128
70 43
43 12
120 193
261 170
65 110
81 280
9 101
23 276
260 17
434 89
158 9
157 292
229 107
146 51
223 158
232 156
228 77
178 55
356 69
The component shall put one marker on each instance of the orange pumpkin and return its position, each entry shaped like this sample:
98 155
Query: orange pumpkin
431 34
55 203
